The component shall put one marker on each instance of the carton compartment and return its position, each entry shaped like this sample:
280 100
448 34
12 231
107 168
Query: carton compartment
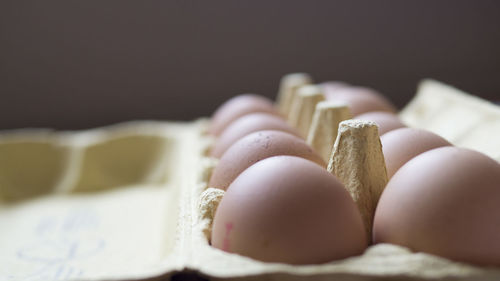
122 161
103 203
29 168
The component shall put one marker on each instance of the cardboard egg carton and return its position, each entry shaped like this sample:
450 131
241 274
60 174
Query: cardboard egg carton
131 201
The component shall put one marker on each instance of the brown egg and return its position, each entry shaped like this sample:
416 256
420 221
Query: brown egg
401 145
246 125
255 147
361 99
446 202
291 210
237 107
386 121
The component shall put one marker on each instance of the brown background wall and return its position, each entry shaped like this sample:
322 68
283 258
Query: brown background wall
79 64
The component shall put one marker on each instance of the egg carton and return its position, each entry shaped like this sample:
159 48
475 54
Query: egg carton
131 202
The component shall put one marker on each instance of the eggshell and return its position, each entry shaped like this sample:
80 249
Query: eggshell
401 145
246 125
255 147
237 107
288 209
446 202
360 99
386 121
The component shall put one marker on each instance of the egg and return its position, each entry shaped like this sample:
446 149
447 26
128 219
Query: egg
248 124
255 147
290 210
332 86
445 202
360 99
386 121
237 107
401 145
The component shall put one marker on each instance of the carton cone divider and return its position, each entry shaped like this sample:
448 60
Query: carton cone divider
303 107
287 90
357 160
324 126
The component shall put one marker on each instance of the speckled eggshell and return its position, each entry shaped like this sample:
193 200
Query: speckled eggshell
360 99
386 121
445 202
401 145
288 209
237 107
255 147
246 125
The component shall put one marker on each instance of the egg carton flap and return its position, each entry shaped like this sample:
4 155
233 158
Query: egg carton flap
463 119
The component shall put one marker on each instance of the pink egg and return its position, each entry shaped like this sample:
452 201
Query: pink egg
288 209
361 100
386 121
255 147
246 125
445 202
237 107
331 87
401 145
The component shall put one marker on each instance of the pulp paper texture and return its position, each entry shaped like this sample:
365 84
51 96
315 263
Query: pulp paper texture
123 203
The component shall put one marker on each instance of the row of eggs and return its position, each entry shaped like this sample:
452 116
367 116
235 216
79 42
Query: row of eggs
282 205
